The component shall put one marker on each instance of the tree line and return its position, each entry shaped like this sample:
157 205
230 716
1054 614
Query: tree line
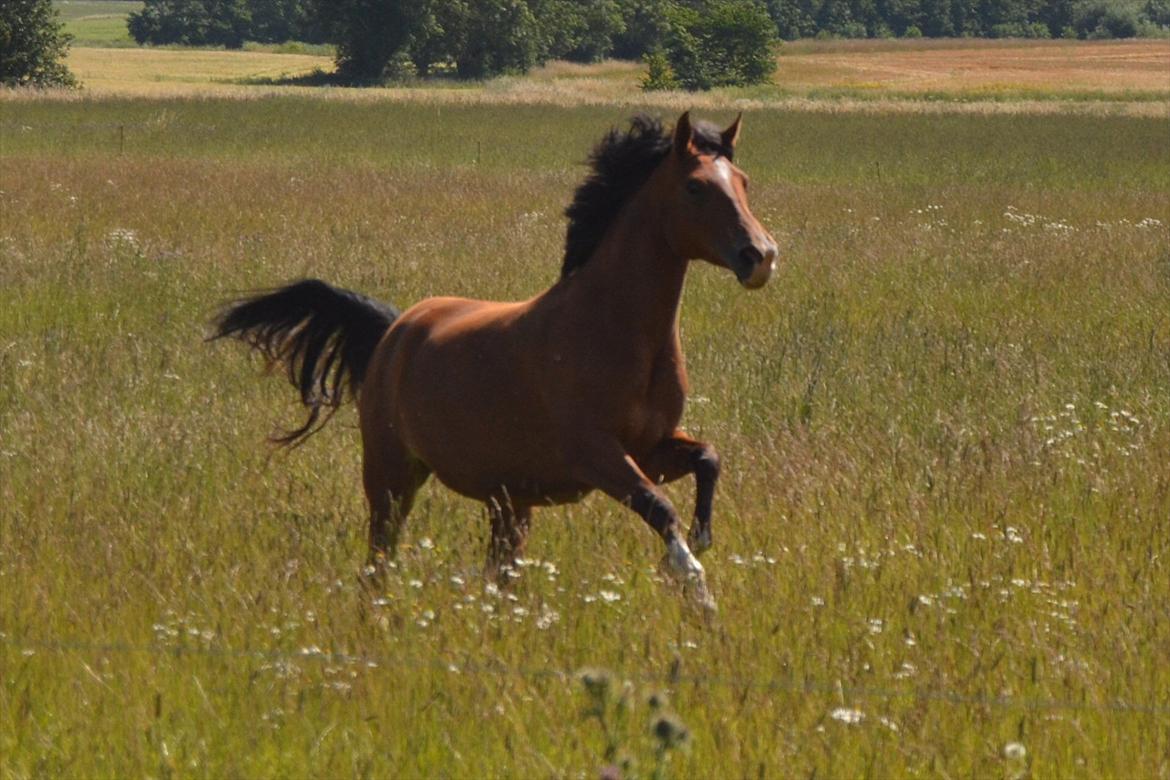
376 39
692 44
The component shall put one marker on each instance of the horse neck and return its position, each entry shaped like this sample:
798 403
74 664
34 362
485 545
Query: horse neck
634 275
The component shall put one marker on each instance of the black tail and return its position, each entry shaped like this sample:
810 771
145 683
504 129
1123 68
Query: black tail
325 336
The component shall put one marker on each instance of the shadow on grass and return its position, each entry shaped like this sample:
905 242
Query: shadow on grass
314 78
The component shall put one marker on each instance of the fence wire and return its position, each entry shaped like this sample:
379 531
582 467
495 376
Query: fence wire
673 678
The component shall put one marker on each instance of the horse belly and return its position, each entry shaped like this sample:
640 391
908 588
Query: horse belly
465 409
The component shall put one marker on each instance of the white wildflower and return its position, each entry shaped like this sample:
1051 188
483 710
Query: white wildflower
847 716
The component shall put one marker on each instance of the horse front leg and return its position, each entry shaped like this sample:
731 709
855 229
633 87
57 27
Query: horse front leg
604 465
673 458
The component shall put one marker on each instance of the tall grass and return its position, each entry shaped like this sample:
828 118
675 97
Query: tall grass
940 537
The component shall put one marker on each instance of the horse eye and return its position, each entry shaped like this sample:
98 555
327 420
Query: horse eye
694 186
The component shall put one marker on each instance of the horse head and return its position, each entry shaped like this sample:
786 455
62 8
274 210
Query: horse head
704 199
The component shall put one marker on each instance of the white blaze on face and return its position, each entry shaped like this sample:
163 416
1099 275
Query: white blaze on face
723 175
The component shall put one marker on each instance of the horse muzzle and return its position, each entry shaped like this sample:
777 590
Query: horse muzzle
753 267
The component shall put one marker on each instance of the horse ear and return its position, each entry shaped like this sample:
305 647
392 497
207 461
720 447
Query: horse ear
683 135
731 134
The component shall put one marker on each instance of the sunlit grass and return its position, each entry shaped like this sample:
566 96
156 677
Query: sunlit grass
940 536
97 22
1112 77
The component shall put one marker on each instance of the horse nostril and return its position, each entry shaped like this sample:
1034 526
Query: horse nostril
751 256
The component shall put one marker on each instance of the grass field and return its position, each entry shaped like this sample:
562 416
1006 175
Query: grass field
97 22
941 540
1131 77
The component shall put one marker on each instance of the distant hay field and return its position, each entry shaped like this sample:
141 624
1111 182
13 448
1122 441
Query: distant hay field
976 66
1111 77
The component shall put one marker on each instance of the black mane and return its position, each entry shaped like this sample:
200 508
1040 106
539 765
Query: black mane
621 163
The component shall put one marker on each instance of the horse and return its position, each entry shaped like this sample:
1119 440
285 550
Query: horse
527 404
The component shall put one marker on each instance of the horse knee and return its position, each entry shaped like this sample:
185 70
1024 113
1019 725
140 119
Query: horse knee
707 464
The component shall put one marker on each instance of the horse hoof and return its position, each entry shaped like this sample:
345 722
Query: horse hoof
707 602
682 560
699 539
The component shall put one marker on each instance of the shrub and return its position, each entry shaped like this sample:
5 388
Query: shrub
687 60
32 45
1020 30
721 43
1104 19
659 74
912 32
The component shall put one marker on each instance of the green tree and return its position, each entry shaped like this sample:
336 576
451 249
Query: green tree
1157 12
1104 19
32 45
277 21
582 30
192 22
498 36
370 33
717 43
794 18
482 38
645 24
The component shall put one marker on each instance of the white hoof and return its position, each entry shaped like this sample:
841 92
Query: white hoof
686 567
682 560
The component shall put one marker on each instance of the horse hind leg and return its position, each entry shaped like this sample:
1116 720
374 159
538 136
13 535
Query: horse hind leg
510 525
391 478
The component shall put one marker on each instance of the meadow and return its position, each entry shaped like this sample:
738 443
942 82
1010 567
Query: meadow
941 539
97 22
1124 76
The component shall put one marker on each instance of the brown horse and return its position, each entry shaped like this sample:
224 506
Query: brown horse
536 403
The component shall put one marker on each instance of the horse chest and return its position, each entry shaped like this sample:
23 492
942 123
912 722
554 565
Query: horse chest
657 406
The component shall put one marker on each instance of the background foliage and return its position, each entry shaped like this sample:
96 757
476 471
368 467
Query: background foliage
228 23
719 43
32 44
705 42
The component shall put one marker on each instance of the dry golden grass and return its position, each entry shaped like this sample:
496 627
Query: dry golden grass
966 65
982 77
183 72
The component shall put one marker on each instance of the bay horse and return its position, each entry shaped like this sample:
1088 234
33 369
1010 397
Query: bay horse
535 403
